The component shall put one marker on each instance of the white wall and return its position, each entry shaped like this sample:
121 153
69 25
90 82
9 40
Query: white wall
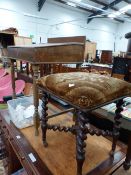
100 31
17 19
121 42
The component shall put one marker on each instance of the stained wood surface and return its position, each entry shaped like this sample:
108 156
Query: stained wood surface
28 89
121 171
106 57
90 50
48 53
21 40
81 39
59 156
120 76
90 47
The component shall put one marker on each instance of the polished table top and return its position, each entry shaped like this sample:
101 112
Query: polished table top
58 161
70 52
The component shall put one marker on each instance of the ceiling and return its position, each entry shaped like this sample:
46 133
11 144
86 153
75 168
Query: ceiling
112 9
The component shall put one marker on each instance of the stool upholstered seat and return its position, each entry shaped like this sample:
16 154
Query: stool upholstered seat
85 90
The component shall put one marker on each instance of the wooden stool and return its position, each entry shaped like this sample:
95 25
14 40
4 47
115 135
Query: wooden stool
84 92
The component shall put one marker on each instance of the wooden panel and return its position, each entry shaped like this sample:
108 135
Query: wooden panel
48 53
80 39
106 57
90 50
6 39
90 47
120 76
20 40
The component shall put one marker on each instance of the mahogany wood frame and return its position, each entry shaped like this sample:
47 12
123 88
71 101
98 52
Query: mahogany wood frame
81 129
50 53
18 150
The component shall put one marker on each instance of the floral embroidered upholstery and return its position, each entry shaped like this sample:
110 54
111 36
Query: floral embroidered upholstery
85 90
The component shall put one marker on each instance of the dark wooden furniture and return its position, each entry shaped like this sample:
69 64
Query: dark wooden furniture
106 57
27 151
122 68
79 39
83 97
50 53
90 47
18 150
126 124
6 39
58 53
129 66
11 38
